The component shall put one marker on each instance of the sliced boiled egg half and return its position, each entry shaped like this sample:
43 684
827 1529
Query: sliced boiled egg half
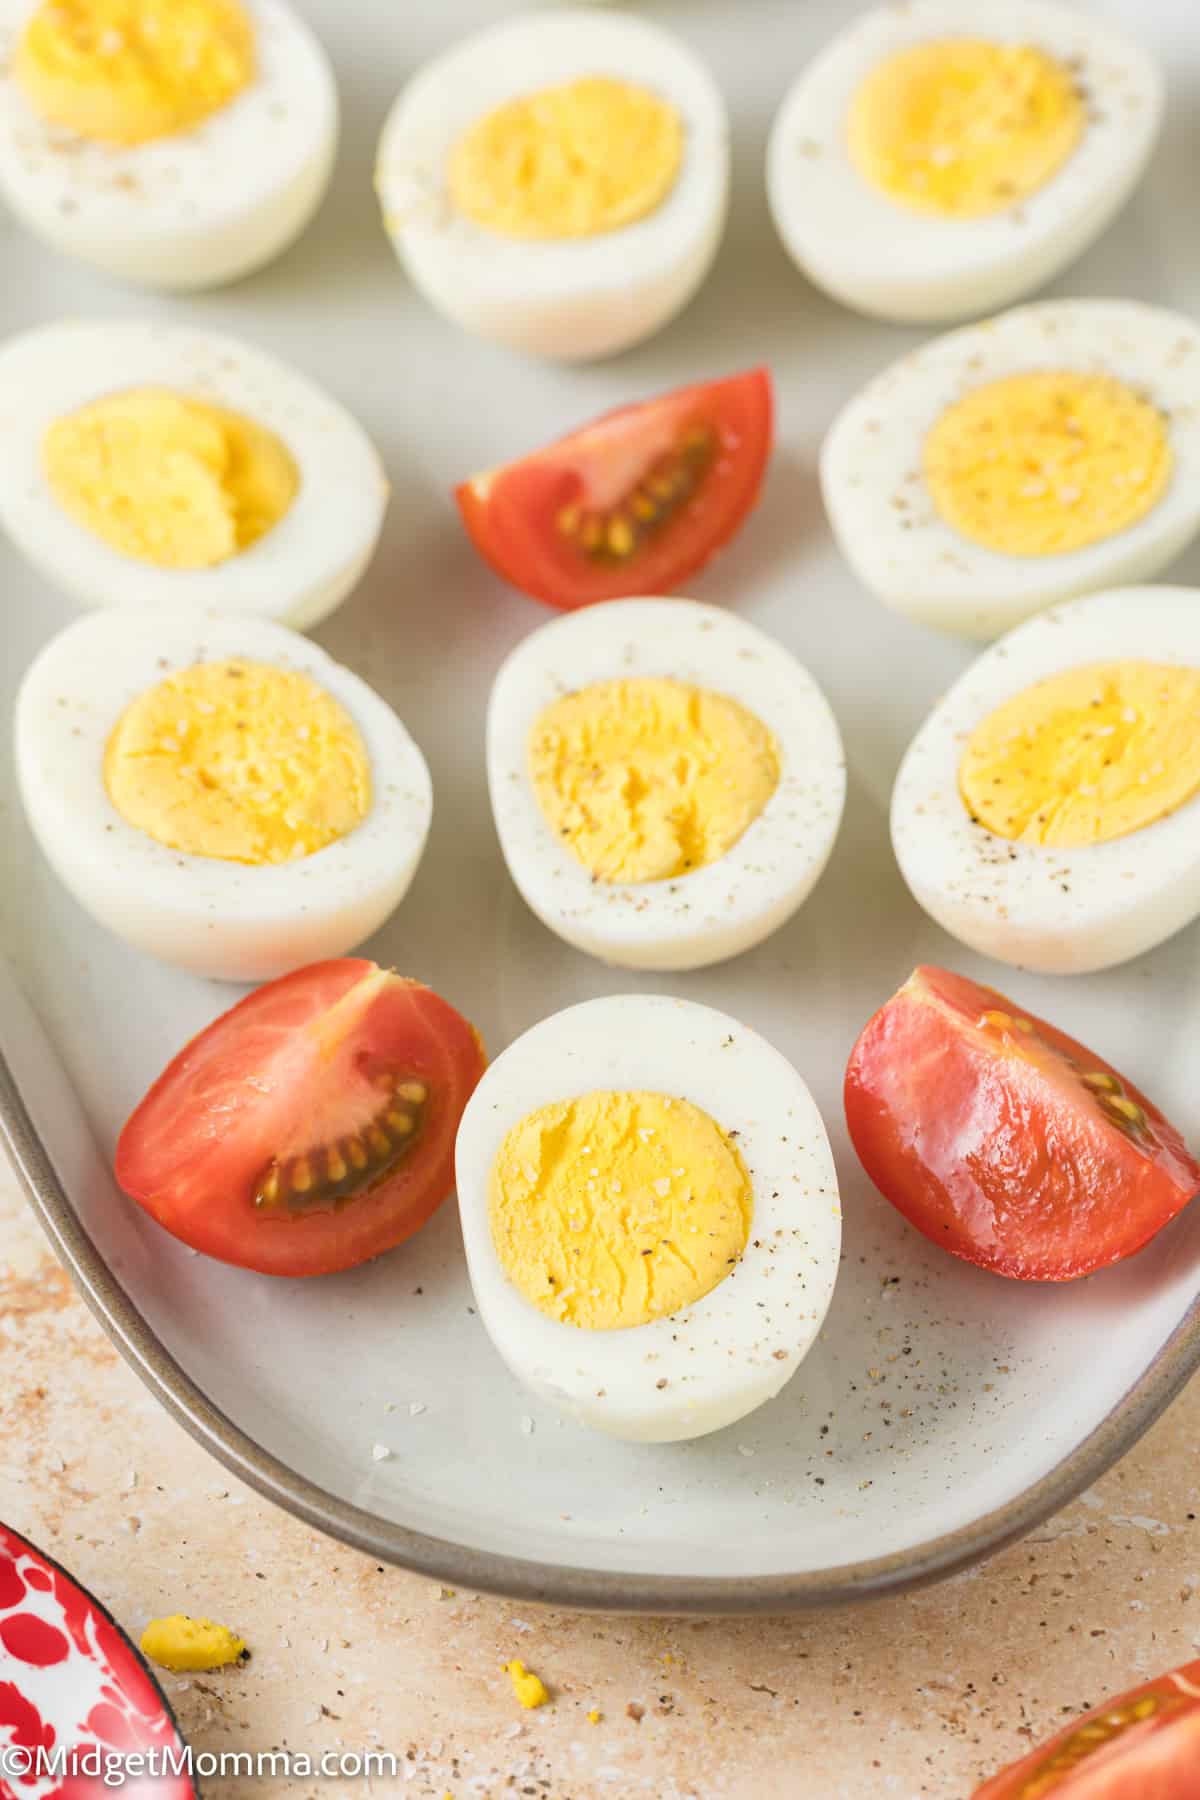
171 143
650 1212
218 791
667 781
1048 811
1047 453
945 157
558 182
153 466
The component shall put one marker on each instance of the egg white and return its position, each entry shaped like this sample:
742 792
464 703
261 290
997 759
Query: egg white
223 919
727 1353
296 573
881 509
727 906
1062 911
569 299
195 209
892 262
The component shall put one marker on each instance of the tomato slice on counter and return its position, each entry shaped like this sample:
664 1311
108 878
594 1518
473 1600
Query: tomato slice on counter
1144 1746
310 1127
631 504
1004 1140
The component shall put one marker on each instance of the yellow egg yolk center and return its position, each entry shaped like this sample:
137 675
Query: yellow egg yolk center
646 779
239 761
615 1209
128 71
169 480
1047 462
964 127
1087 756
571 161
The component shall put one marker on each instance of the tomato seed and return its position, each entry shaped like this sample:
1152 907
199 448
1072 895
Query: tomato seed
615 535
335 1174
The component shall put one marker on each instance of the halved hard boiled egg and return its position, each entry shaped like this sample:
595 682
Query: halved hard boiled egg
558 182
218 791
945 157
650 1213
172 143
1047 453
1047 812
667 781
154 466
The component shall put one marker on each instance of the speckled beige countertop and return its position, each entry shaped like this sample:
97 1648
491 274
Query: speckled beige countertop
915 1696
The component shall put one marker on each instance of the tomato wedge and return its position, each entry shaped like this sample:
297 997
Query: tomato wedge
631 504
1004 1140
310 1127
1144 1746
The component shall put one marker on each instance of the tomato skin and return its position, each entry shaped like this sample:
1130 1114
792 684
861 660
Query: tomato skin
990 1143
511 512
1143 1746
291 1066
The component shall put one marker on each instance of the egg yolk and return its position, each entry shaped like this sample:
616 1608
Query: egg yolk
530 1690
129 71
1047 462
169 480
239 761
647 778
1087 756
568 162
179 1642
615 1209
964 127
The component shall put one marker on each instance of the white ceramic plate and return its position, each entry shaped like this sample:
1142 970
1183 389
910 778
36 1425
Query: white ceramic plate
943 1411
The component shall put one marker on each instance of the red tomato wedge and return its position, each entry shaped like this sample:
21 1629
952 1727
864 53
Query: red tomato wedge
631 504
1004 1140
1144 1746
310 1127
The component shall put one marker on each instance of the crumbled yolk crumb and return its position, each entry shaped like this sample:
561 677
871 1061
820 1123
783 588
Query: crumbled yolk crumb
614 1209
129 71
594 1716
169 480
179 1642
964 127
1087 756
568 162
1047 462
239 761
647 778
529 1688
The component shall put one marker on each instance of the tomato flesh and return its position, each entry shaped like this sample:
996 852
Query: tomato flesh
1144 1746
1003 1139
631 504
310 1127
